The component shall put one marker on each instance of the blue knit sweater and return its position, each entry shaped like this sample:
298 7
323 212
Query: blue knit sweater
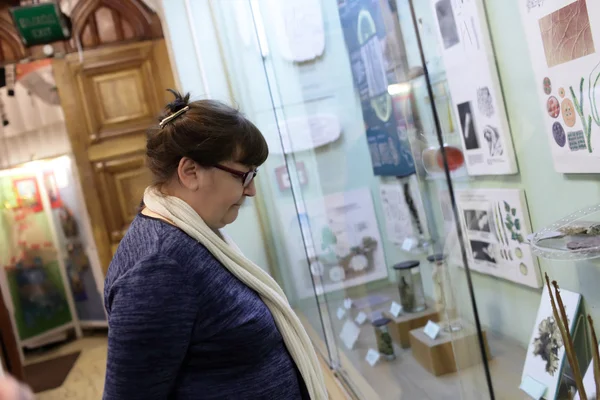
183 327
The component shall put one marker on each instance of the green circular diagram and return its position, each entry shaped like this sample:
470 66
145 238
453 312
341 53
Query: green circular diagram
365 30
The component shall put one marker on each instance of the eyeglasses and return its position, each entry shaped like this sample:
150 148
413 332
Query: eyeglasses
246 177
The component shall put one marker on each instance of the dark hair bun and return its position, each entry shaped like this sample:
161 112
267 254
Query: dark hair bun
209 133
179 102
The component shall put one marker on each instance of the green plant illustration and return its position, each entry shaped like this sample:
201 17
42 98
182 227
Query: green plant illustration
592 95
587 125
512 223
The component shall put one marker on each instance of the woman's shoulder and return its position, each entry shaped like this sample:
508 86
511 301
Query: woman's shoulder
151 243
147 236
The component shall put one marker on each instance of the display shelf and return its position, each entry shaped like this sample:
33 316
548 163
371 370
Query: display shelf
448 352
574 237
405 378
401 326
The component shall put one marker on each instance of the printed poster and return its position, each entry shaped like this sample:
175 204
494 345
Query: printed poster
401 220
564 39
30 260
342 240
495 226
474 85
398 220
375 58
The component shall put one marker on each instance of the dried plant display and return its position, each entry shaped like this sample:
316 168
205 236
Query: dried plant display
565 331
547 344
551 339
555 339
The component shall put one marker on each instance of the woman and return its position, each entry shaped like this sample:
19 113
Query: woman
189 316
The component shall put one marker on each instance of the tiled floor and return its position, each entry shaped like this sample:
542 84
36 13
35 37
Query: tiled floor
86 379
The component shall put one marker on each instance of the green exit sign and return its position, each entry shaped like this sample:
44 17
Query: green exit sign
41 23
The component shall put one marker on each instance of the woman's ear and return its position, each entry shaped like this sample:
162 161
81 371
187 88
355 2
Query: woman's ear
189 174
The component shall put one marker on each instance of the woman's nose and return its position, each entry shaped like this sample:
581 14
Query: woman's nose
250 190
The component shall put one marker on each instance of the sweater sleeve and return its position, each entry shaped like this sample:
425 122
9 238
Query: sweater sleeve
152 310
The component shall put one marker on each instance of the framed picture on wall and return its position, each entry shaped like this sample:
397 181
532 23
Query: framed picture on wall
28 193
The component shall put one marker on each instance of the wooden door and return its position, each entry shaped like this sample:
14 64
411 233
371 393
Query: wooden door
110 98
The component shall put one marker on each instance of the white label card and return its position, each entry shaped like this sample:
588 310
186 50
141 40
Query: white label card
349 334
432 330
360 318
348 304
341 313
372 357
408 244
532 387
395 309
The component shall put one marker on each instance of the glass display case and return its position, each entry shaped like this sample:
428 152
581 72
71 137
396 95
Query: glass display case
429 166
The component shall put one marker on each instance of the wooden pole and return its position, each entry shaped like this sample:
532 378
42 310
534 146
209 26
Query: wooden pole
566 337
596 357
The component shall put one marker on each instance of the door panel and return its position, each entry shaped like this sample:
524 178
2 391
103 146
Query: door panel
121 183
119 97
110 97
125 89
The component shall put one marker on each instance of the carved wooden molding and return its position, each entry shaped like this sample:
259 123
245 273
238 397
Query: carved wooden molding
10 38
139 17
141 21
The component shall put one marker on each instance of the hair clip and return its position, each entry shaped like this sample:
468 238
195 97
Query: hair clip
173 116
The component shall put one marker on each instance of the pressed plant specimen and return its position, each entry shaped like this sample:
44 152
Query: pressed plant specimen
547 344
513 224
587 124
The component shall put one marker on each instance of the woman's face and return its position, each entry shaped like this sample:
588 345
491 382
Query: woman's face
216 195
226 194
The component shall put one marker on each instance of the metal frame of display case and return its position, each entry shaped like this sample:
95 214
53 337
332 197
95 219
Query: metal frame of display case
326 323
449 182
354 379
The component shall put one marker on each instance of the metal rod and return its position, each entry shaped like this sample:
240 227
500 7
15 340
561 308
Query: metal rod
459 232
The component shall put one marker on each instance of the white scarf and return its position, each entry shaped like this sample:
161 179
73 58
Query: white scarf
295 337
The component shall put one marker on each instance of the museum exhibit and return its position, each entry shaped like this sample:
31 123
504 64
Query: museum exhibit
428 205
434 165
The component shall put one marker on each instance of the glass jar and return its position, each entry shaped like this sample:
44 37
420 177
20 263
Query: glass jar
438 276
410 286
444 297
385 345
